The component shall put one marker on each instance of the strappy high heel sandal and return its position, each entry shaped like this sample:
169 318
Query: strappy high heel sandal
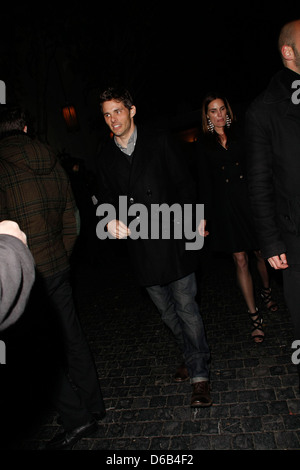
269 303
256 321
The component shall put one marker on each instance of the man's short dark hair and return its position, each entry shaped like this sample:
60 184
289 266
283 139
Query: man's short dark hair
12 119
117 94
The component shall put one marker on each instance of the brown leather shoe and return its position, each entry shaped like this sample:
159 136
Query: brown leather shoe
182 374
201 395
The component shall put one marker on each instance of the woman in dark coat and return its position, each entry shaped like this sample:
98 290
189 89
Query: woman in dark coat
221 173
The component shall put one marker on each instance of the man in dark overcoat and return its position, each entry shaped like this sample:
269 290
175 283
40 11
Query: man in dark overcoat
145 168
273 133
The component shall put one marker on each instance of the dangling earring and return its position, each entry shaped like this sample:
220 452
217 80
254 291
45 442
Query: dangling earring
210 125
228 121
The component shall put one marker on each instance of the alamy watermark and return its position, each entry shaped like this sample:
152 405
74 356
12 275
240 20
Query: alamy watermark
296 94
2 92
296 354
161 222
2 352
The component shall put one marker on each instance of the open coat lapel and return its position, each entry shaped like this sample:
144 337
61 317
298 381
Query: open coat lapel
141 158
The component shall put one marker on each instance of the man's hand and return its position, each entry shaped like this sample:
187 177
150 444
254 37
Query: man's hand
279 261
8 227
201 228
118 229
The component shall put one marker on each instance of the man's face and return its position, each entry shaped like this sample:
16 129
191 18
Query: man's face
296 49
118 118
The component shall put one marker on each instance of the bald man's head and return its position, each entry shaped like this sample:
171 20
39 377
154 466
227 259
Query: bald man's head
289 45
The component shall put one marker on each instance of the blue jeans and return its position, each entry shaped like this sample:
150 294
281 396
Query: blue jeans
179 311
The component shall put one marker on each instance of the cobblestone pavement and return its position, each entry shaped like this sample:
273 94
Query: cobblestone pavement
254 387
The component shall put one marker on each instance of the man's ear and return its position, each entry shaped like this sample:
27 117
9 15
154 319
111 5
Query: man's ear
287 53
132 111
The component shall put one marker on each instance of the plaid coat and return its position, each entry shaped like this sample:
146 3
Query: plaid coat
35 192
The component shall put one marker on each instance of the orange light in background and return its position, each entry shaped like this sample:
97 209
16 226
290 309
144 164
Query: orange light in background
70 117
189 135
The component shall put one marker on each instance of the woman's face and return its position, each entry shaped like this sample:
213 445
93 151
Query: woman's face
216 112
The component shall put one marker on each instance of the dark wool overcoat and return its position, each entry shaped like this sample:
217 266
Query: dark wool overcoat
35 192
273 142
158 174
222 176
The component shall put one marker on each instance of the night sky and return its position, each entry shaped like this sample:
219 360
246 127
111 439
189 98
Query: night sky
169 54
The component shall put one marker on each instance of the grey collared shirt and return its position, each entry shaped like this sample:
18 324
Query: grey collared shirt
130 144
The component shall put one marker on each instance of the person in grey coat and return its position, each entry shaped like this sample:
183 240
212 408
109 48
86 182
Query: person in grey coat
17 273
273 137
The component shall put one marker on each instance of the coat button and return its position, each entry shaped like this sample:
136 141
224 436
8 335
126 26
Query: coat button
241 176
149 192
131 200
227 180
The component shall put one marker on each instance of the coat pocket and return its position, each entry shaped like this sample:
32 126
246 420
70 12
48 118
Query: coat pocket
294 205
286 224
289 221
